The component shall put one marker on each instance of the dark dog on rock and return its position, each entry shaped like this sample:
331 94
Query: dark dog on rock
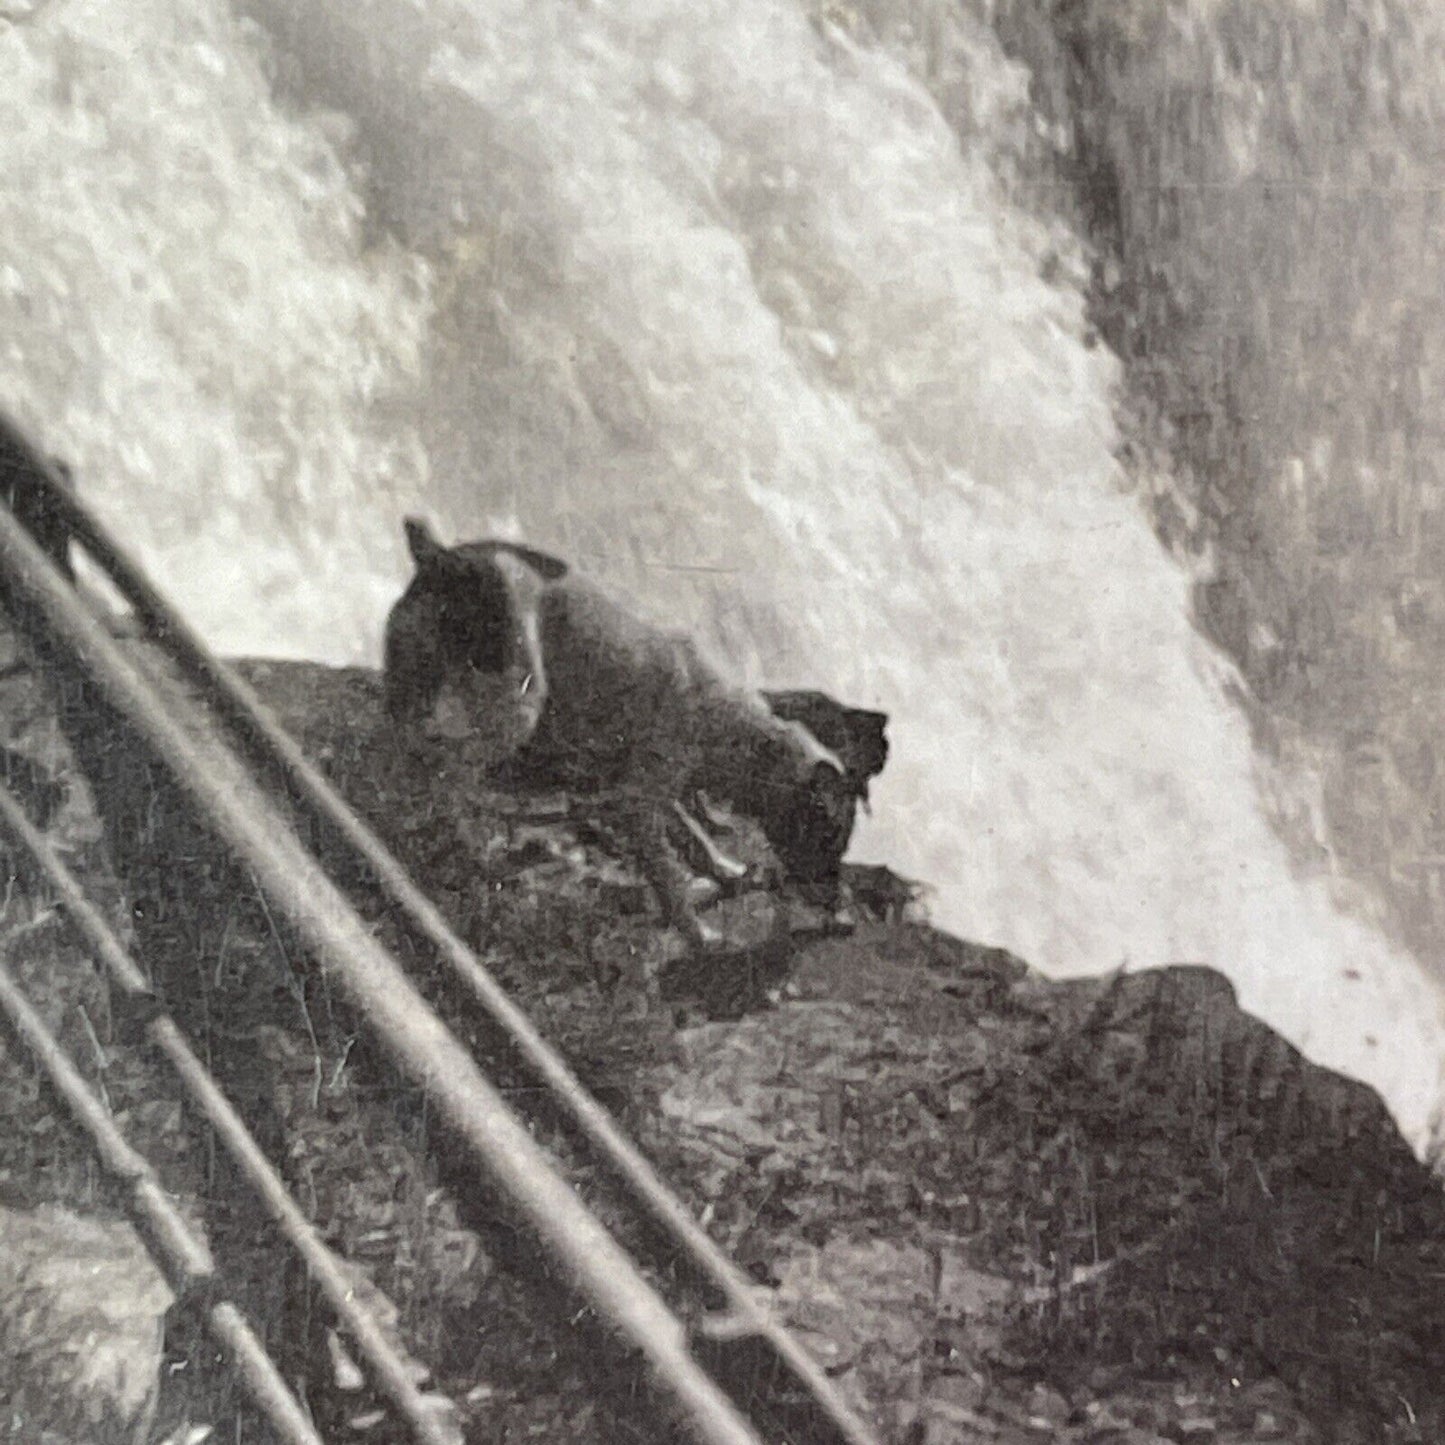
507 655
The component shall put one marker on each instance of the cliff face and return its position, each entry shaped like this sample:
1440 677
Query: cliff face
995 1207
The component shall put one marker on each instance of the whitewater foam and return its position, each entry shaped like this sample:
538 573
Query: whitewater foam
712 298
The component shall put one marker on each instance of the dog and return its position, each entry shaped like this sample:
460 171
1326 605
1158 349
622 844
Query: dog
505 653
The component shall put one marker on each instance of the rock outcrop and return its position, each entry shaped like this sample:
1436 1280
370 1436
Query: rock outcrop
997 1207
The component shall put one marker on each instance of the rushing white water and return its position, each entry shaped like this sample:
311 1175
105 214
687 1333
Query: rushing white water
714 299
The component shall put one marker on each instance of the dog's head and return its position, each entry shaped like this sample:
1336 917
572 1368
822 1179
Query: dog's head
448 631
457 664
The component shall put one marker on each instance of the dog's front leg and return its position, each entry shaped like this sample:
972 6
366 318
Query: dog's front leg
644 822
721 866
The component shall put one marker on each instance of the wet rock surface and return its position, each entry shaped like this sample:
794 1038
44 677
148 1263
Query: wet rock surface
996 1208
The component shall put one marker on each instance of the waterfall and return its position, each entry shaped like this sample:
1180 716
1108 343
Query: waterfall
726 303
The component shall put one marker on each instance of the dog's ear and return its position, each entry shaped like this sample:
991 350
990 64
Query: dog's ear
425 550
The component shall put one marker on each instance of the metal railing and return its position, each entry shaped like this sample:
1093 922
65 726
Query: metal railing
181 1254
214 748
425 1415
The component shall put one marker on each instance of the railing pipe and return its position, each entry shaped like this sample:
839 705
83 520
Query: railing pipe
269 746
246 821
181 1254
424 1414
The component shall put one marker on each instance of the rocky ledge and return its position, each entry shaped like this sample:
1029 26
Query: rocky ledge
997 1208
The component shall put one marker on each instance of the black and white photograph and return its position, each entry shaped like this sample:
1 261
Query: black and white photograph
722 721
